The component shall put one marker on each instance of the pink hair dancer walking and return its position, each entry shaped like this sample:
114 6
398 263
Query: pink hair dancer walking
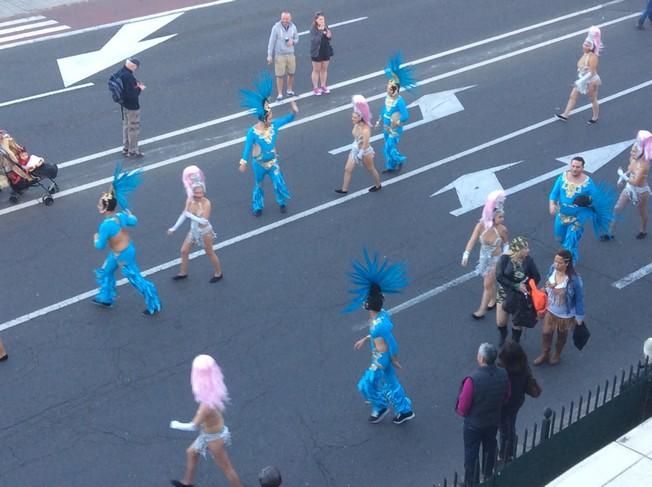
210 392
361 150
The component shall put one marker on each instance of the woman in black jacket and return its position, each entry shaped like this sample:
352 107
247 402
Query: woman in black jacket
320 53
514 360
513 270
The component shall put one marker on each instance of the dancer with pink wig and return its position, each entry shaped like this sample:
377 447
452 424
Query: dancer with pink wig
198 210
491 232
210 392
361 150
634 183
588 80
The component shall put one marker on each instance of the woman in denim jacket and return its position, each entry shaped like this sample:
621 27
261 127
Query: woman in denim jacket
565 307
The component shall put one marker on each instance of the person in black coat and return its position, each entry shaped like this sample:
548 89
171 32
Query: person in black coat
513 270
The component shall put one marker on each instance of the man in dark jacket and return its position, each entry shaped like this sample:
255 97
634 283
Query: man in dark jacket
480 401
131 108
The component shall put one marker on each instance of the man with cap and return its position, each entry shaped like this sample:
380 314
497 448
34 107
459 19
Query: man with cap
130 108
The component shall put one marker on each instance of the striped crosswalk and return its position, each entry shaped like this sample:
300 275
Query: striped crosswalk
28 27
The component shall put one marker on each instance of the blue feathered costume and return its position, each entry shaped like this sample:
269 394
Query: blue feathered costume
394 112
260 144
115 225
379 384
578 204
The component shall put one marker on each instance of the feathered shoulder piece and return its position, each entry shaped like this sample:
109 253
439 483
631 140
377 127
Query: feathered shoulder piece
403 77
257 100
124 183
371 275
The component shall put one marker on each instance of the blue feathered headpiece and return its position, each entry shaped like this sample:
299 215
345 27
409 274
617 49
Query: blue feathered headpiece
124 183
258 100
375 277
403 77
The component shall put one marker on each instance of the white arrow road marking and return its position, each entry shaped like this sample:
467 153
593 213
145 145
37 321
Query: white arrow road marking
433 106
633 277
471 200
472 189
125 43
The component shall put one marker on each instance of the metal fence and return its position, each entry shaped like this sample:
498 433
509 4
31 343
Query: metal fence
564 438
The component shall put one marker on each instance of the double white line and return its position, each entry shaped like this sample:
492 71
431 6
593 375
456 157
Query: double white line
36 25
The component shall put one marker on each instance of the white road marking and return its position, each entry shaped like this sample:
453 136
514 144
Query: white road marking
24 20
32 33
337 24
314 210
633 277
21 28
43 95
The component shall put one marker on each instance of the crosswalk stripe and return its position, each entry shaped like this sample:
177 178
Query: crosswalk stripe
24 20
33 33
21 28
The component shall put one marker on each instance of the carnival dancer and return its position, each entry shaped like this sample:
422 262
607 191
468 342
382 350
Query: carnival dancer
573 200
588 81
260 144
198 210
634 183
379 384
113 232
394 113
491 232
210 392
361 150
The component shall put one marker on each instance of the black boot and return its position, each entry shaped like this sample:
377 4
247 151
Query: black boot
516 335
502 330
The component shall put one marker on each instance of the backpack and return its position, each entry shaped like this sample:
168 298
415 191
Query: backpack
116 88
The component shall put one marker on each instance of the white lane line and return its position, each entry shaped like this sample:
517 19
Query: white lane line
337 24
119 22
314 210
633 277
22 28
24 20
33 33
43 95
243 113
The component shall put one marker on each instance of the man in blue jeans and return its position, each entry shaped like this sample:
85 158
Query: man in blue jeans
647 14
480 401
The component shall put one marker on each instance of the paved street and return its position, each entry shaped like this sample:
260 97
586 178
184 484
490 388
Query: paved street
88 393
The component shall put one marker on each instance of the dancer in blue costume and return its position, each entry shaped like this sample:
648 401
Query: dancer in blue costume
576 199
113 232
260 145
379 384
394 113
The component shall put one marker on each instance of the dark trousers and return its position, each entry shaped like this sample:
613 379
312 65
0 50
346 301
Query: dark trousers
473 438
508 434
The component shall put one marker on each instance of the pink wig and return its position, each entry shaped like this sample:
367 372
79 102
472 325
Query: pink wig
361 107
644 142
193 177
208 382
594 38
494 204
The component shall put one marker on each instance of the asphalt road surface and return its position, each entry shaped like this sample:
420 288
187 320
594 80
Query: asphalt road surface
88 393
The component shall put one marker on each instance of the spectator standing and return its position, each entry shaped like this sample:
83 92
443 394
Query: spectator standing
646 14
280 51
270 477
480 401
321 52
132 88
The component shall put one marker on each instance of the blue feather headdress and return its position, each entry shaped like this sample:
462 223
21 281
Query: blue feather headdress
124 183
403 77
375 277
258 100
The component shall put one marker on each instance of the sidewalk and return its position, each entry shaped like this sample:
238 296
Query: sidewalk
16 8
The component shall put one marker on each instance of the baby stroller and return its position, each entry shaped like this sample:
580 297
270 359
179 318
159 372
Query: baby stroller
21 170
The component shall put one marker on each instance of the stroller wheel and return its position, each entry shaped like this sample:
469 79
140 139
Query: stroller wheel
47 200
13 198
53 188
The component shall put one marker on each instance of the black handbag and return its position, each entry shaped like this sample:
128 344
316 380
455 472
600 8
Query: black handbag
581 335
525 314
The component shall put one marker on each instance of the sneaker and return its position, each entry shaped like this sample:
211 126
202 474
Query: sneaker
378 416
258 212
316 92
101 303
403 417
606 237
136 155
291 93
325 90
641 235
125 151
279 97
